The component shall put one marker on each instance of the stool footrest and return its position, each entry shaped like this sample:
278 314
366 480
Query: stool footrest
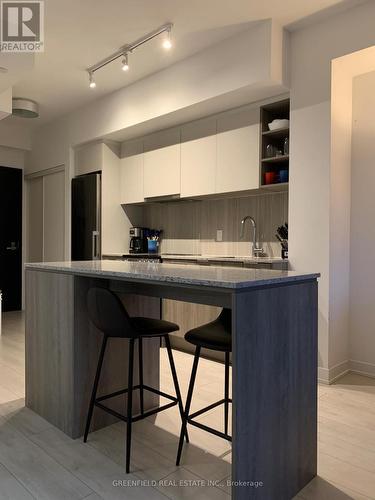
208 408
117 393
174 401
205 427
210 430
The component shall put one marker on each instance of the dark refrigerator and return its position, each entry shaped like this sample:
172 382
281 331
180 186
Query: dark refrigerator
86 210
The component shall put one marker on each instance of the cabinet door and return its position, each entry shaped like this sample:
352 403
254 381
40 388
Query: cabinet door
238 151
132 173
198 158
162 163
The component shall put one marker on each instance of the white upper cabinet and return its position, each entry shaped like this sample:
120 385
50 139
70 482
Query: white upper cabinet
162 163
198 158
238 151
132 172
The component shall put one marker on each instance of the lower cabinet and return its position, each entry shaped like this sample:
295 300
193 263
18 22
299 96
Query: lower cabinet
189 316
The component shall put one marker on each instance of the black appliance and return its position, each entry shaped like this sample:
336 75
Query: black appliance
138 240
86 210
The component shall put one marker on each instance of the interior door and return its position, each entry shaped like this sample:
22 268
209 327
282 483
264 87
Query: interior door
45 209
54 217
34 224
11 238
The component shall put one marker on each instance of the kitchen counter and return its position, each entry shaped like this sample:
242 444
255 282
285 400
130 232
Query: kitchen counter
213 276
274 356
179 256
223 258
204 258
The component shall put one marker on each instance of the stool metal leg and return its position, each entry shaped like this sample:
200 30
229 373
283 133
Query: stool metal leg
188 403
95 388
175 380
141 393
226 394
130 404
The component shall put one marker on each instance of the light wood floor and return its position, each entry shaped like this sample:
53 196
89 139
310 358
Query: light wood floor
38 461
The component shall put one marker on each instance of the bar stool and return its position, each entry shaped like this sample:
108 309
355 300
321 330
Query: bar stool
109 315
217 336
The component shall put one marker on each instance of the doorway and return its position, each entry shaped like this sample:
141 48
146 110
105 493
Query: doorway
11 238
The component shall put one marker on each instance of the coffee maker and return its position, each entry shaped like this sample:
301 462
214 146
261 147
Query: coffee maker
138 240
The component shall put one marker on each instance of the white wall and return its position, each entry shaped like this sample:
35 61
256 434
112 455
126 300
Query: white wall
12 157
362 268
15 133
339 230
313 241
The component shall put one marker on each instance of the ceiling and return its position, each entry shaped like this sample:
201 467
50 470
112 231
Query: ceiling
81 33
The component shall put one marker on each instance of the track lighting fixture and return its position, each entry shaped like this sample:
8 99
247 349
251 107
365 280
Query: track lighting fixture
124 51
92 83
125 62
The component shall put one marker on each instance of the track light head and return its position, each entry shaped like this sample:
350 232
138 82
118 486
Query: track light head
167 42
125 63
92 83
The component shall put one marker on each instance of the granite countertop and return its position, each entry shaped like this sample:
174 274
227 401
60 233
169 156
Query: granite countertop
224 258
204 258
185 274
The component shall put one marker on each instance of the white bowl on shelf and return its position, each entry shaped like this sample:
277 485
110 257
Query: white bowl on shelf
278 124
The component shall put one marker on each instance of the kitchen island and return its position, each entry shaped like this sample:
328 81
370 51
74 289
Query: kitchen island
274 359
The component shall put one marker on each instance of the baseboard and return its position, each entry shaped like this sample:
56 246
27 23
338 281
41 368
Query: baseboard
329 375
362 368
323 375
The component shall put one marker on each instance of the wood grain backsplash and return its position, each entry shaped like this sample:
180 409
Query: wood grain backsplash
190 227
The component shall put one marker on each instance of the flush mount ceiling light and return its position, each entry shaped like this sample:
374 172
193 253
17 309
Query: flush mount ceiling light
125 50
25 108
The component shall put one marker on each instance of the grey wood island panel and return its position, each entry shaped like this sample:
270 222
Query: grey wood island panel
274 359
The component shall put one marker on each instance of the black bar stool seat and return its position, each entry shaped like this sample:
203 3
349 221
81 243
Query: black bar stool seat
109 315
217 336
149 327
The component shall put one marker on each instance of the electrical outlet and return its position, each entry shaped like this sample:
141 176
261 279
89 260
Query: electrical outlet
219 235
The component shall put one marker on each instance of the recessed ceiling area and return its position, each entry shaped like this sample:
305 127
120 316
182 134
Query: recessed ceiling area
79 34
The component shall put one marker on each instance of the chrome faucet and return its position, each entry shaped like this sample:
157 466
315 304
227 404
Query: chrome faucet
256 250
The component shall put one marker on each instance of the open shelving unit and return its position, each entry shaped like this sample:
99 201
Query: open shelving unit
278 162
